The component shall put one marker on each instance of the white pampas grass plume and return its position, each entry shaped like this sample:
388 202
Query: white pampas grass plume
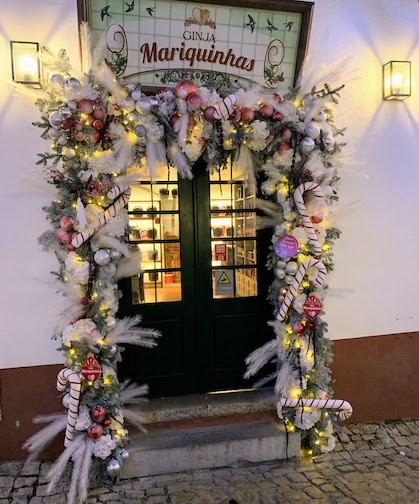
131 393
85 471
177 158
125 331
36 443
75 474
73 310
107 78
134 419
85 47
60 464
273 214
265 380
285 375
257 359
104 240
245 161
155 155
128 266
123 149
181 126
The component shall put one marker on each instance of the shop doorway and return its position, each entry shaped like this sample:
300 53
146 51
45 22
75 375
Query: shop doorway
204 284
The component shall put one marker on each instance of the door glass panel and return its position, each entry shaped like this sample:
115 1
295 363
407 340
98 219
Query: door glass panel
154 231
232 203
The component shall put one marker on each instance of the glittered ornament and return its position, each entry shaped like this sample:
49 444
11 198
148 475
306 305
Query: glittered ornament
95 431
128 104
136 94
102 257
140 130
73 84
113 467
66 223
184 88
91 369
98 414
143 106
65 112
307 145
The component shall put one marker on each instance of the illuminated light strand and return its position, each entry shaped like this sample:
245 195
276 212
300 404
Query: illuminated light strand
107 215
299 202
69 376
321 275
345 407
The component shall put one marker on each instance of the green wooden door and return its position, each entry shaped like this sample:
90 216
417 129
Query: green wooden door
204 284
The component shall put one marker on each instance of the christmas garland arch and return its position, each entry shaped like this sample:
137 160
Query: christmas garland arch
104 134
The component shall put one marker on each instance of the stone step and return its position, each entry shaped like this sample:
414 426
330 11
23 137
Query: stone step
187 449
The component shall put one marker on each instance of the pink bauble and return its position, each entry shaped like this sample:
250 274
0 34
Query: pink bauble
266 111
85 106
174 119
298 328
70 248
247 114
95 431
315 219
78 126
99 113
80 136
59 233
282 147
66 239
98 414
277 116
66 223
286 134
98 124
194 101
209 113
184 88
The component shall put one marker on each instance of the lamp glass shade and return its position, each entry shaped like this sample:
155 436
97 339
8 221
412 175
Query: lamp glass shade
397 80
26 68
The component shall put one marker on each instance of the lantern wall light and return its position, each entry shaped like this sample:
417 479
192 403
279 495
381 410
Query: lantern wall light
26 67
396 78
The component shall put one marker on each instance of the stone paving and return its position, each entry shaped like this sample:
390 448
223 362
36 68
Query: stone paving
372 463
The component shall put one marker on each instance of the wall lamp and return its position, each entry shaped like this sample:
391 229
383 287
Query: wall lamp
26 67
396 80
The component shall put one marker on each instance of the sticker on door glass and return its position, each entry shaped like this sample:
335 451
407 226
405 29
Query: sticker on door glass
224 282
220 252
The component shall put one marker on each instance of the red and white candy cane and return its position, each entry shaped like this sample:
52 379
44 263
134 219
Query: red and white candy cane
299 202
226 107
107 215
69 376
344 407
117 190
321 275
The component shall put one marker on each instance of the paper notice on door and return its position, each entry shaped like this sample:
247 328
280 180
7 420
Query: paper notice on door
224 282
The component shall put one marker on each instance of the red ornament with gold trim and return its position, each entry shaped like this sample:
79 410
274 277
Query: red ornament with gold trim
91 369
312 307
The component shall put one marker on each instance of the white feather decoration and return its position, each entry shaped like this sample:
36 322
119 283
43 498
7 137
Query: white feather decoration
36 443
107 78
177 157
85 471
85 47
128 266
131 393
126 332
155 155
111 242
257 359
245 161
181 126
134 419
60 464
73 308
285 375
78 458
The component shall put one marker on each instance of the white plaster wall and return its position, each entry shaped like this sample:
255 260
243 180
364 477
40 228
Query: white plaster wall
374 285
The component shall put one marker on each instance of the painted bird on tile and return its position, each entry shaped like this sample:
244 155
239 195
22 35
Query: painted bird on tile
104 12
150 10
251 23
130 6
270 26
289 25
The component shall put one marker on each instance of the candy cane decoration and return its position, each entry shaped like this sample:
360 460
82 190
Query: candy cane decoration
321 275
107 215
226 107
68 376
344 407
117 190
299 202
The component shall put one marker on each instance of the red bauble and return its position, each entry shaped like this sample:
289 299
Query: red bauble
89 120
95 137
266 111
85 106
99 113
277 116
184 88
70 248
98 124
298 328
107 422
59 234
174 119
209 113
316 218
66 223
247 114
98 414
66 239
282 147
95 431
286 134
194 101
